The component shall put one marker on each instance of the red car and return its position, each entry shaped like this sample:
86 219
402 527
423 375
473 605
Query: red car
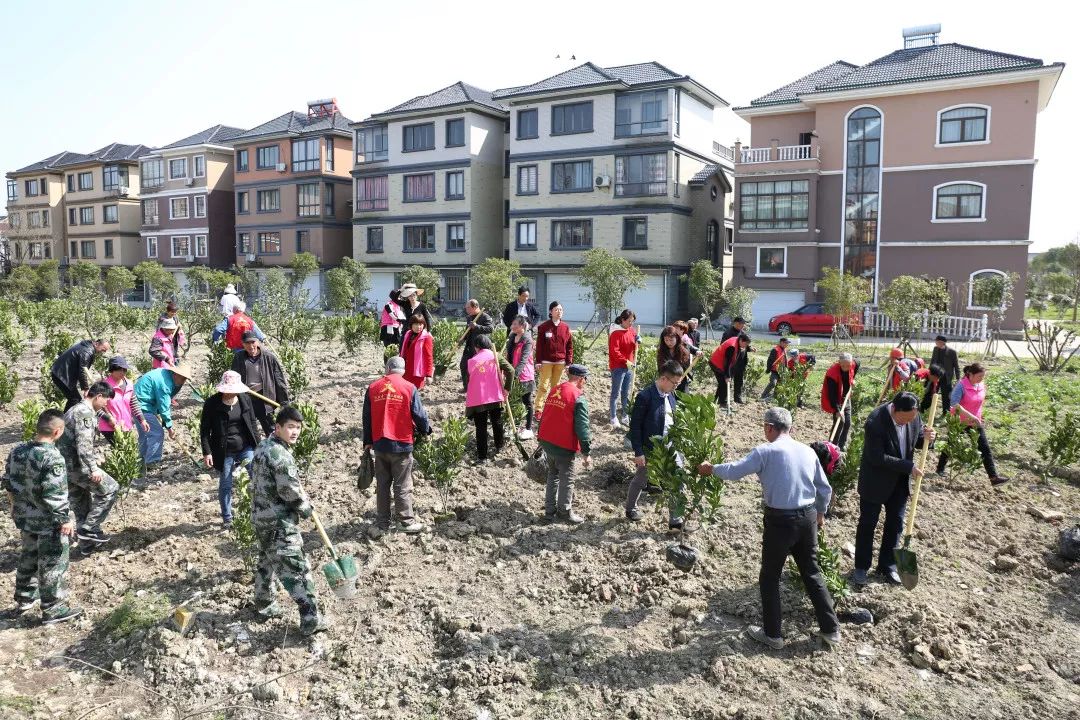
811 318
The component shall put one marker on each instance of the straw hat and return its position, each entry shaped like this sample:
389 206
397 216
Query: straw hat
183 371
230 383
230 289
410 289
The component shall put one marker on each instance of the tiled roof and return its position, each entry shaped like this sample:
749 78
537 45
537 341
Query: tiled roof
115 152
704 174
459 93
215 134
807 83
640 73
590 75
296 123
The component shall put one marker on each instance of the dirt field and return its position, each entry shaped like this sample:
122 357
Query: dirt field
495 615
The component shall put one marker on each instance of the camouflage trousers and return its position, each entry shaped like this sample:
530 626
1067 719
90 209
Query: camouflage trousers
281 557
40 572
90 501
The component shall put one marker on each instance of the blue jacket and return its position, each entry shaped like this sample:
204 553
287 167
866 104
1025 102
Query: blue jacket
647 418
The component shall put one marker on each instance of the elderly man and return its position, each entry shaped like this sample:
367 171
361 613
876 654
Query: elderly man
91 489
70 371
229 300
261 371
838 382
154 392
479 323
795 495
893 432
564 432
233 327
521 307
393 413
692 333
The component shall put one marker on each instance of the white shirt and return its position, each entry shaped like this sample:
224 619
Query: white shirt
228 302
901 435
522 311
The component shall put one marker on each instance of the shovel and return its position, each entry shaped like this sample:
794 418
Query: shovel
888 382
513 428
341 571
730 390
907 564
840 415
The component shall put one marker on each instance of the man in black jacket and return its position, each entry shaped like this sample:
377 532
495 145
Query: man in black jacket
738 372
70 372
479 323
945 358
523 307
652 406
893 432
261 371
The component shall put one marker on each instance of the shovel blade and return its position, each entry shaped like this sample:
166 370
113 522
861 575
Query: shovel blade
907 565
341 576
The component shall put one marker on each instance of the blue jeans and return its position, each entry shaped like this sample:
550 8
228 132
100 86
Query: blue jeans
224 488
620 385
152 441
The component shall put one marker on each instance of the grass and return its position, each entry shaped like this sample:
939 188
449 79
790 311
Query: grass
136 613
17 702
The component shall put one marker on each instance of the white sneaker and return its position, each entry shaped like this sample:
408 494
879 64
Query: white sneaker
625 420
525 434
412 528
615 424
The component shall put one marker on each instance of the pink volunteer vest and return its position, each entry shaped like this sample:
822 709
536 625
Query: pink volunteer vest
119 406
485 381
974 395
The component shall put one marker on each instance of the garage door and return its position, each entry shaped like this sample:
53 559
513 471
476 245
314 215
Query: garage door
381 285
648 302
773 302
569 293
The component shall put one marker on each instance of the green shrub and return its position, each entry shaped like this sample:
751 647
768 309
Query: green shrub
292 361
846 475
581 346
9 384
444 345
143 364
123 460
308 442
388 352
440 460
56 342
29 410
136 612
1061 446
755 370
219 358
829 560
960 443
790 389
498 338
357 330
243 526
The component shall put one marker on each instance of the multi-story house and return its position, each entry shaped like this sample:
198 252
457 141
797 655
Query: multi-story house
187 204
918 163
623 158
35 205
292 188
429 188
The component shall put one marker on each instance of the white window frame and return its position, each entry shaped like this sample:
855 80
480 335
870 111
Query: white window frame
187 206
172 246
757 261
170 166
195 207
971 287
151 246
934 198
205 247
195 166
937 126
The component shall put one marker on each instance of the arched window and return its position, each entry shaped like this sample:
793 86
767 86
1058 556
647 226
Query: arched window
964 124
862 187
985 289
960 202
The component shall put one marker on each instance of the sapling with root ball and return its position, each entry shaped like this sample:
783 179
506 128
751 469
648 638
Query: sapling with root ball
846 474
388 352
960 443
1061 446
243 526
790 389
581 345
292 361
29 410
444 342
755 370
123 461
439 459
830 563
308 442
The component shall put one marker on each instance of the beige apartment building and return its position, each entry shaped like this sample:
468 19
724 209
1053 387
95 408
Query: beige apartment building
35 206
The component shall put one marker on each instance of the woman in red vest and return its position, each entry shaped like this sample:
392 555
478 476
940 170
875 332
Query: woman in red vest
484 396
417 349
723 362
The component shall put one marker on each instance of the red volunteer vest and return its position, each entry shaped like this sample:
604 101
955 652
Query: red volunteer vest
557 422
718 359
391 408
234 333
833 374
781 353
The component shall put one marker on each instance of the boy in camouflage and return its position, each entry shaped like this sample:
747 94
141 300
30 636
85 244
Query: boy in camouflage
278 502
36 483
93 492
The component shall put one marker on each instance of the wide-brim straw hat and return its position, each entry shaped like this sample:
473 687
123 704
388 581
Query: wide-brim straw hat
231 383
410 289
183 371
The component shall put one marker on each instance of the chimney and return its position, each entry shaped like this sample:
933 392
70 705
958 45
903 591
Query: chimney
921 35
322 108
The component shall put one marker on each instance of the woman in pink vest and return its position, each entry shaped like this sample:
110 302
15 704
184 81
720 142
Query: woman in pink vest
162 348
519 354
485 396
391 321
123 409
417 350
967 404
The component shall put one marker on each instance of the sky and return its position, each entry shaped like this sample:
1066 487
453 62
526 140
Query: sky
82 75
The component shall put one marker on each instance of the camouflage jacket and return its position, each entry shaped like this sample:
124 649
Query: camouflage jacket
277 496
77 442
37 478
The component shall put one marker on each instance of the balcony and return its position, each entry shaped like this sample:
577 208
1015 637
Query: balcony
149 185
777 158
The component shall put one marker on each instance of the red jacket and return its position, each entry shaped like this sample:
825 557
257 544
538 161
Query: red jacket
554 343
557 425
832 386
725 350
622 346
391 408
239 323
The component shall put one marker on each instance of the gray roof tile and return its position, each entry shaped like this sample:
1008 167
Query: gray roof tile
459 93
215 134
591 75
704 174
642 73
791 91
116 152
296 123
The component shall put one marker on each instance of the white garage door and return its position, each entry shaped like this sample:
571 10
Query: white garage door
381 285
569 293
313 287
648 302
773 302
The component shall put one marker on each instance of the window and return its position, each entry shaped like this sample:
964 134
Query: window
527 176
506 214
328 197
200 206
375 239
307 200
243 243
178 208
678 112
571 234
199 162
153 174
526 235
779 205
70 183
86 216
303 241
572 176
181 246
964 125
372 193
454 287
455 185
455 238
641 113
110 214
635 233
372 144
267 157
31 187
528 125
73 218
712 234
675 175
269 243
108 247
86 181
418 137
242 203
13 189
178 168
305 155
35 251
150 212
268 200
572 118
772 261
455 132
48 249
420 188
114 177
984 289
419 238
959 202
242 160
201 249
74 249
330 154
641 175
729 240
15 220
34 219
151 247
88 249
862 185
44 218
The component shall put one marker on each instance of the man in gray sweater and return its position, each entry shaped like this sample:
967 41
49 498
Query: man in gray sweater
795 496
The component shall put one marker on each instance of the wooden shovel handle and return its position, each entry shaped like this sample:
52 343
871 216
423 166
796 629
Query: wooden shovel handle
263 398
888 382
840 414
322 534
922 465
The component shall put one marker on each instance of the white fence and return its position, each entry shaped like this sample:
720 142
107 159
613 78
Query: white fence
951 326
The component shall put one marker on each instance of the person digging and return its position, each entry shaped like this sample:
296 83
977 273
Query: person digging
564 432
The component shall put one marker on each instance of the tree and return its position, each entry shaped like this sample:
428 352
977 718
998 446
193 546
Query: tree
84 274
204 282
994 292
425 278
844 295
738 301
340 293
361 279
118 280
22 283
1069 259
608 278
160 281
905 300
706 284
48 274
303 266
494 282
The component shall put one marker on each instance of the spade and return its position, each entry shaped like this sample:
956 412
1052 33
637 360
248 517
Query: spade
340 572
906 562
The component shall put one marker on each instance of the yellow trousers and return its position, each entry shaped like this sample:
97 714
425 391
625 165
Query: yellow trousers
550 374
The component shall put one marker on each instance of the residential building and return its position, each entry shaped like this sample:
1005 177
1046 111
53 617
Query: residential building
35 206
187 206
623 158
918 163
429 187
292 188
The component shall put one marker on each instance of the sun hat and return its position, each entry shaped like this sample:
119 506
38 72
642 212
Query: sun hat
231 383
167 324
410 289
183 371
230 289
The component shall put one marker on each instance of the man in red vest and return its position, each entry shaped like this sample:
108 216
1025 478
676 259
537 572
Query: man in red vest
564 432
392 411
233 328
723 361
834 389
775 360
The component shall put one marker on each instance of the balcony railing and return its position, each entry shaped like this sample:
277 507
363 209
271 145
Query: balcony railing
151 184
779 154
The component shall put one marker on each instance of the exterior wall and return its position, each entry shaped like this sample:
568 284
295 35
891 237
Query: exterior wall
784 128
44 240
607 233
804 261
697 126
705 208
127 248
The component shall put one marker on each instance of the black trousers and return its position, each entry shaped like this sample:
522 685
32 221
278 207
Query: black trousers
481 419
984 450
721 385
738 373
844 429
945 388
895 509
74 395
527 401
463 366
792 532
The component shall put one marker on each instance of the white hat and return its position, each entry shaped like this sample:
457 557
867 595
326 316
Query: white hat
410 289
167 324
230 383
230 289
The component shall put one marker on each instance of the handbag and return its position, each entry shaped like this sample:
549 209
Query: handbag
365 473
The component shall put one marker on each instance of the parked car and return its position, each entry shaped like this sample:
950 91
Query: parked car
811 318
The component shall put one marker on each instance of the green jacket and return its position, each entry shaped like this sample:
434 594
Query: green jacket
36 476
277 496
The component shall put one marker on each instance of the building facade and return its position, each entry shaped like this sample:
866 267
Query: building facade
918 163
35 206
187 209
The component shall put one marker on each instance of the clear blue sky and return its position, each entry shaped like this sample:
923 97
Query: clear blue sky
80 75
